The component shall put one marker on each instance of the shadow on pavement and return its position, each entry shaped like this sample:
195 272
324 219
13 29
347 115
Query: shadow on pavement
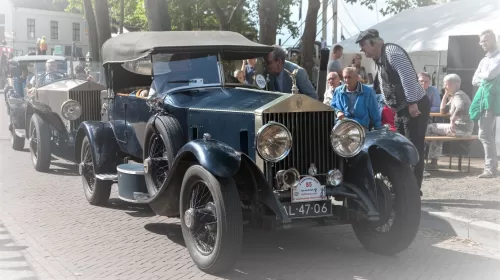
66 169
438 204
12 261
134 210
171 231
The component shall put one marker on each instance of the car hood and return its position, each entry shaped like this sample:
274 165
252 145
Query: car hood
222 99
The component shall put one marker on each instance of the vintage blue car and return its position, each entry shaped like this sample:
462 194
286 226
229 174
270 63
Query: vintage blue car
176 135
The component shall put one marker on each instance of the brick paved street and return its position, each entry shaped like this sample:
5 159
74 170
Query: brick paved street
49 231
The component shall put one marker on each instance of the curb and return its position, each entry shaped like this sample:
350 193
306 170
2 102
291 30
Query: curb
483 232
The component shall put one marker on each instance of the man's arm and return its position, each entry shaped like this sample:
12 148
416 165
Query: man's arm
493 72
476 81
403 66
373 109
305 86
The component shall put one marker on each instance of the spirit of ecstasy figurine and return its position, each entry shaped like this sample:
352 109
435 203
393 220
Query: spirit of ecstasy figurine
295 89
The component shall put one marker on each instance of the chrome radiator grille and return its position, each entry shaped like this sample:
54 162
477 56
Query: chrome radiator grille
91 106
311 141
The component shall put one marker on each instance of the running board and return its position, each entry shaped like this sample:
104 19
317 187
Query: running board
20 133
107 177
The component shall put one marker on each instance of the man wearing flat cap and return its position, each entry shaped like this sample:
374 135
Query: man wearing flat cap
397 80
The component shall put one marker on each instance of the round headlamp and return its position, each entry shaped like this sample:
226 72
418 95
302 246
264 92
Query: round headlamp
71 110
273 142
347 138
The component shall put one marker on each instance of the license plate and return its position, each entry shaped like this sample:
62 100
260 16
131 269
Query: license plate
308 209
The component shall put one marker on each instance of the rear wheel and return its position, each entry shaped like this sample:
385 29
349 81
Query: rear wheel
39 142
96 191
211 220
17 143
400 213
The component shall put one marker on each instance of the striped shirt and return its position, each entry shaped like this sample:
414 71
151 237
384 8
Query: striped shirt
403 66
488 68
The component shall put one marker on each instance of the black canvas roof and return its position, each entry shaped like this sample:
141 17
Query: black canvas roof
134 45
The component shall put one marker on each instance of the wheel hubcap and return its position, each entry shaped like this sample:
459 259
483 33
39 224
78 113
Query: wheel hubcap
189 218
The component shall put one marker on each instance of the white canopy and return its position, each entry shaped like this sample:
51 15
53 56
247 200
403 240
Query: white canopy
428 28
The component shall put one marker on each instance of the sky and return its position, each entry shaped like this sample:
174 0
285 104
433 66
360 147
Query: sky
350 18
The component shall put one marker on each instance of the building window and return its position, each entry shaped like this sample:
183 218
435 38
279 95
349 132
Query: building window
31 50
31 28
54 30
67 50
2 19
76 32
79 52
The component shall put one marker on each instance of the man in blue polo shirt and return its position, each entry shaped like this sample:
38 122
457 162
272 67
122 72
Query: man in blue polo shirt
356 101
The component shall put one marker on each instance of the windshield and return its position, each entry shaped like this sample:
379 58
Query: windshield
40 73
184 69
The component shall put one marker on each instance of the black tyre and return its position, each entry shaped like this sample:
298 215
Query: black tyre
39 143
96 191
163 140
17 143
400 214
211 220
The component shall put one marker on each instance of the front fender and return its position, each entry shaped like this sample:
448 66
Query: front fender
215 156
395 144
103 145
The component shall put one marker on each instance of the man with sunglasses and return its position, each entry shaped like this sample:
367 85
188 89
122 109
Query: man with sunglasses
279 79
397 80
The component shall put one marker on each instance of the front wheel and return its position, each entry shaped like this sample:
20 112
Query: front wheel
399 204
39 142
211 220
96 191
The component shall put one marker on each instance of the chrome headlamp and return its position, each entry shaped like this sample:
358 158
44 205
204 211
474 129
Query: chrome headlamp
71 110
273 142
347 138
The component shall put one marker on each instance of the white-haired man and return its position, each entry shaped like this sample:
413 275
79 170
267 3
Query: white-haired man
333 82
483 108
50 75
457 103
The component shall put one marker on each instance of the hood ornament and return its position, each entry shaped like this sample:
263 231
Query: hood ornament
295 89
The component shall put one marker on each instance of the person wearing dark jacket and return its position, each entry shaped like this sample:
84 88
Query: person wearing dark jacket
397 80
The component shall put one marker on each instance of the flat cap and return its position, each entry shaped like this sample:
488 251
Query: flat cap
367 34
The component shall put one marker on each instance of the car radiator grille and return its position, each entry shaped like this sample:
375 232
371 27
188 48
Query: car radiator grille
91 106
311 142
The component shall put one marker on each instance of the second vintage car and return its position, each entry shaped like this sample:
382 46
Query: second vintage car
176 135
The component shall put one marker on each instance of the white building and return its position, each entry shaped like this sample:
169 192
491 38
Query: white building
20 27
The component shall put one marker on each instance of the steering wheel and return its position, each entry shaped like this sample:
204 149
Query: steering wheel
58 73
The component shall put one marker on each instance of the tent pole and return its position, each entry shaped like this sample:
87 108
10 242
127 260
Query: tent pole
438 79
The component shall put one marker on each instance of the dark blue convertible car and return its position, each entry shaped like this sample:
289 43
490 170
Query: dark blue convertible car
178 134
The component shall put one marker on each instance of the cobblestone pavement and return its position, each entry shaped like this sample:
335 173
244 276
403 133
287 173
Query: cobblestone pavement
49 231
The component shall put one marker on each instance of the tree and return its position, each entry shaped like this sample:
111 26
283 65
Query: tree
268 21
102 20
223 18
92 29
309 36
394 6
158 15
283 12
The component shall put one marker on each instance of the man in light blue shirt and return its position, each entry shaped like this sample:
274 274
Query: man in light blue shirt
432 92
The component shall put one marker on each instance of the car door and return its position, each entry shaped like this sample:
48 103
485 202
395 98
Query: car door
137 115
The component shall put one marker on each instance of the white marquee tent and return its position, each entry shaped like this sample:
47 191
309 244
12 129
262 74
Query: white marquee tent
427 28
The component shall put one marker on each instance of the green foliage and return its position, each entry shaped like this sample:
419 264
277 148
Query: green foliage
394 6
196 12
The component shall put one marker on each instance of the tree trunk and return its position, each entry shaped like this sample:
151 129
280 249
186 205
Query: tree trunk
225 20
102 20
92 29
268 21
158 15
309 36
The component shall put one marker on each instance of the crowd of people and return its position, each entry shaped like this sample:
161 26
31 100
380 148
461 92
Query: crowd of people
400 97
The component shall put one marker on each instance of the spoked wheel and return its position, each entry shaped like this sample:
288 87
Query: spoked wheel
39 143
211 220
399 207
162 142
96 191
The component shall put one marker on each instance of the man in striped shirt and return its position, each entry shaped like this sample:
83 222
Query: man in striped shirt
397 80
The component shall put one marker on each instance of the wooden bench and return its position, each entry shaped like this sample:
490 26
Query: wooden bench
454 138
